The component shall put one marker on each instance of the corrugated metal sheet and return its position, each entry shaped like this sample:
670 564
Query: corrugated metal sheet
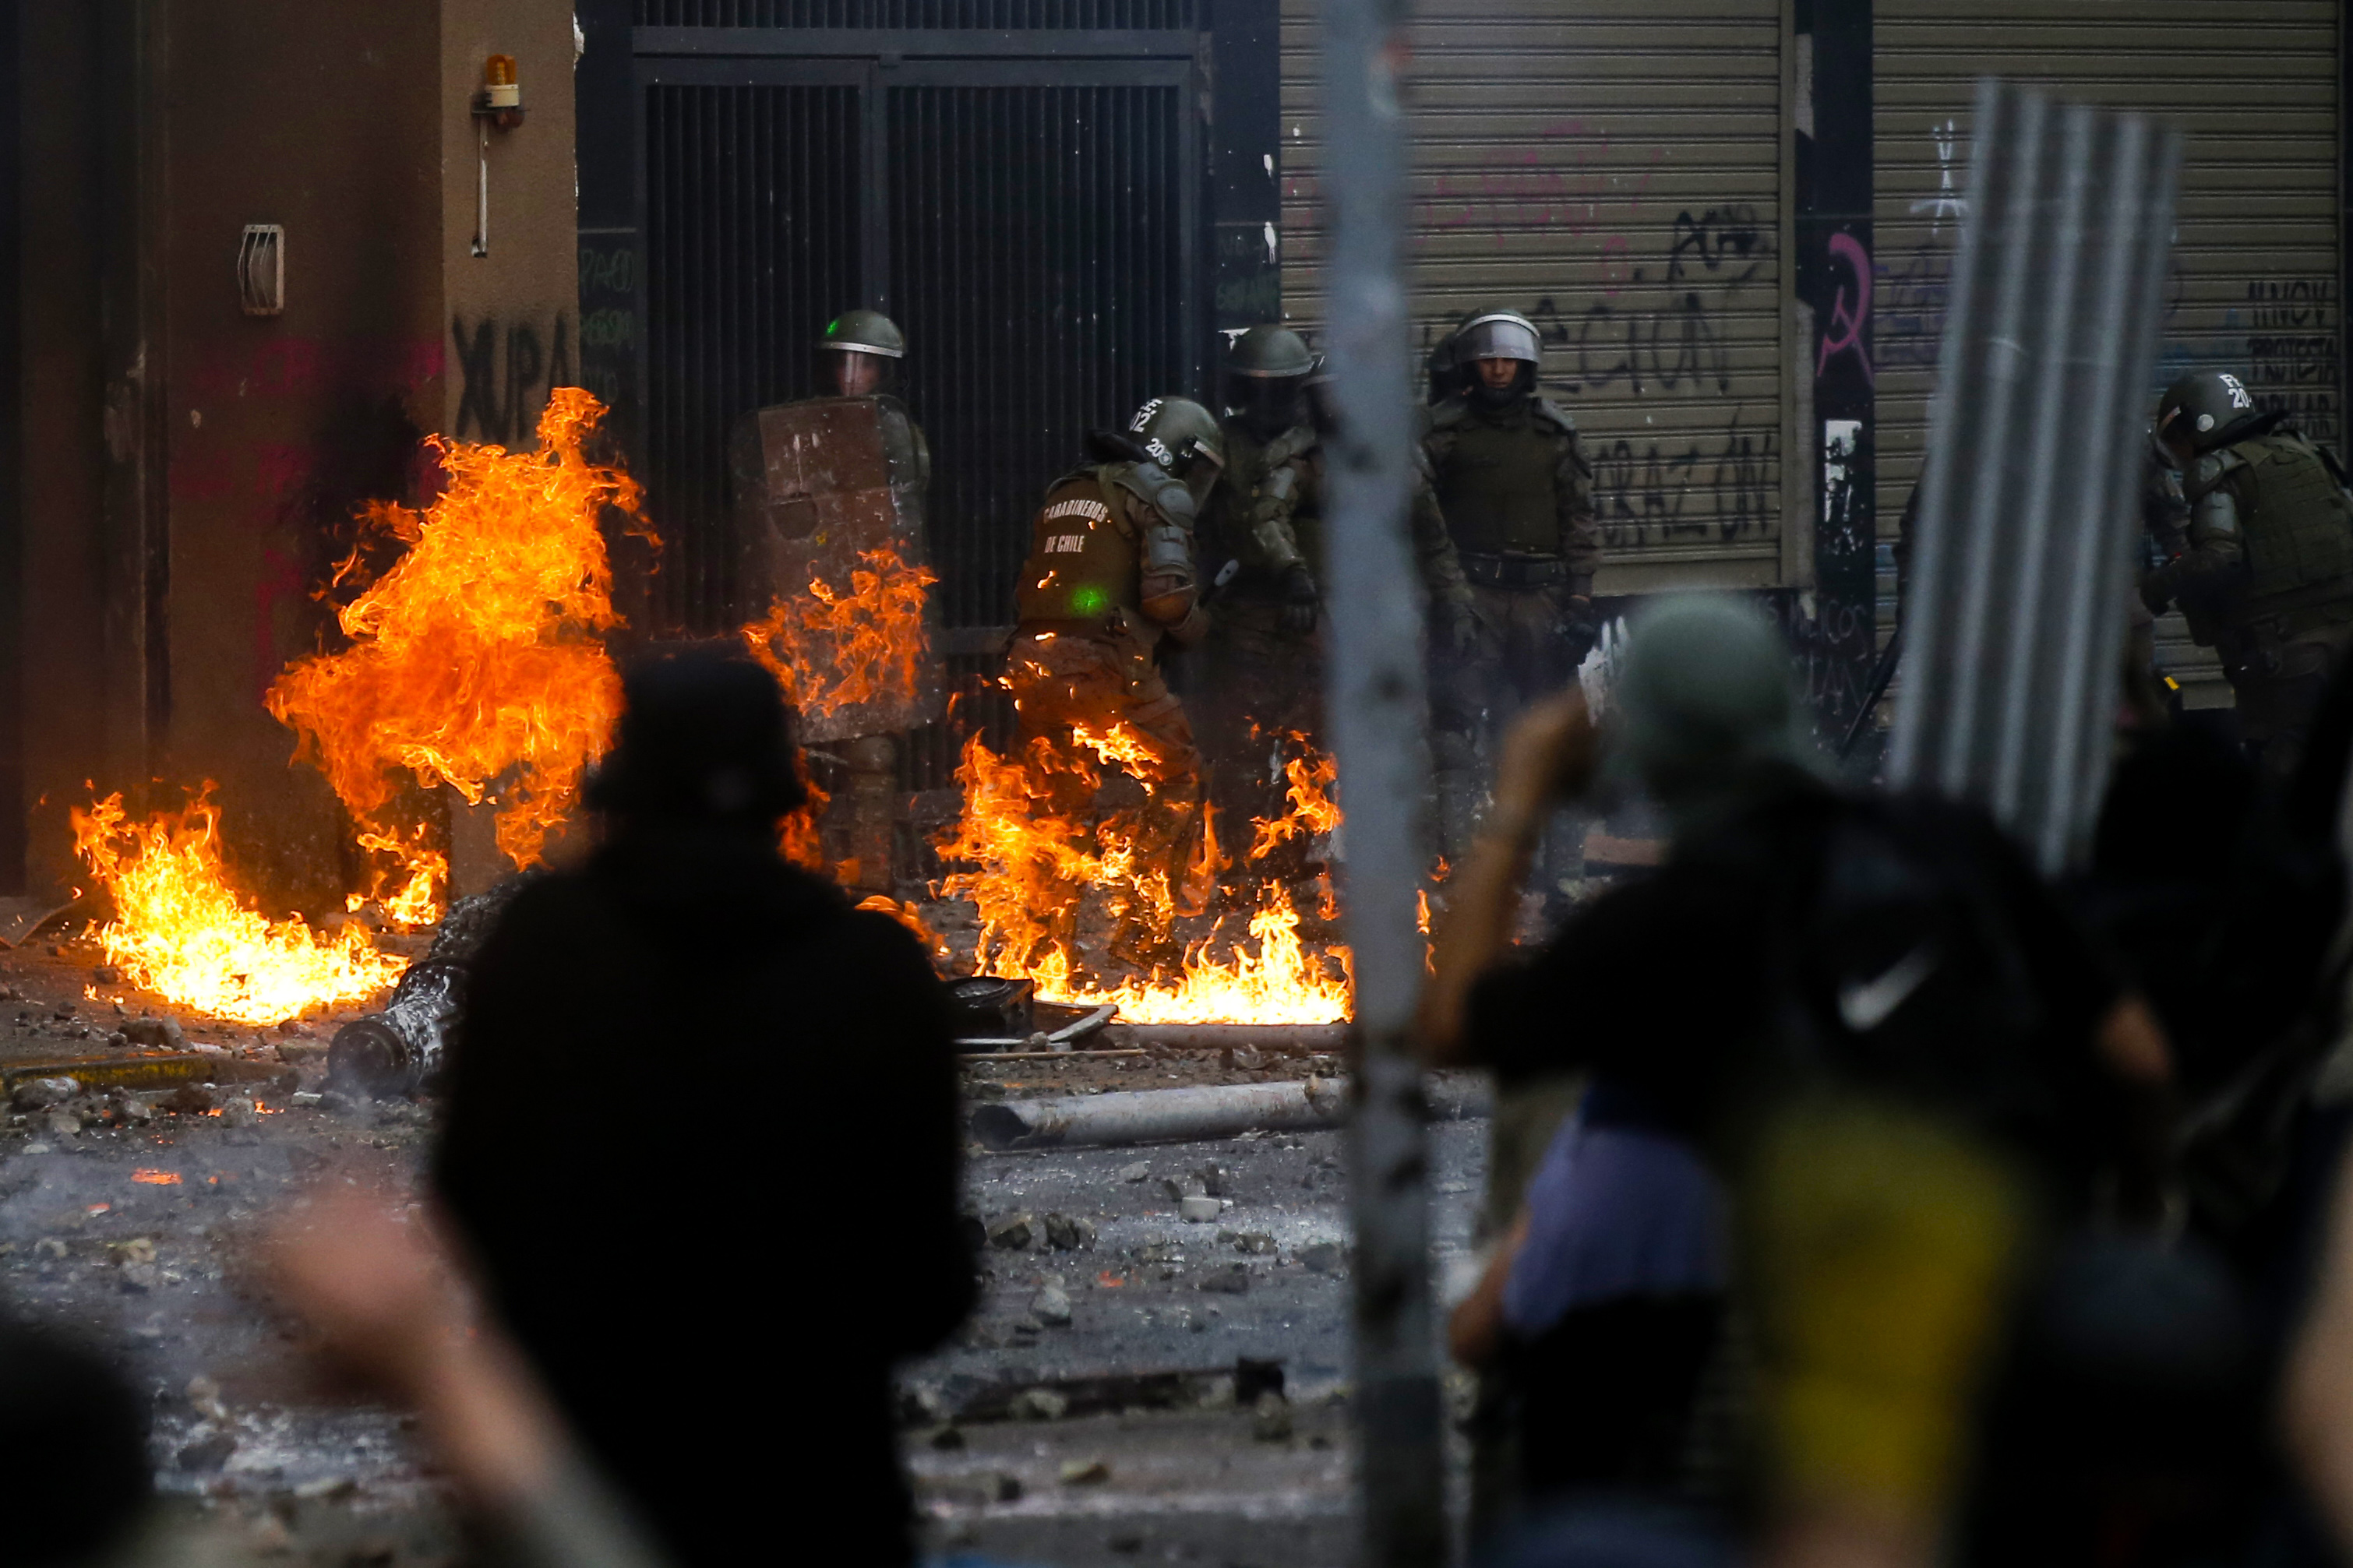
1613 170
996 14
2255 275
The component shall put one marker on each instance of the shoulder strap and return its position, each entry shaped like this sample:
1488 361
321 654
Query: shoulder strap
1547 409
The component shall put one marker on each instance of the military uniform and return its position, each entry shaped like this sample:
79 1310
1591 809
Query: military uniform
1109 578
2266 577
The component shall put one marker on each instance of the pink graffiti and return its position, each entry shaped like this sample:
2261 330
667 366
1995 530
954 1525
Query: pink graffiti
1844 332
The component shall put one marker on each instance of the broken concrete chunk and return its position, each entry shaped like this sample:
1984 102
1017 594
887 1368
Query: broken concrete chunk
1321 1257
1135 1173
164 1034
1234 1282
1198 1210
189 1099
1068 1232
40 1093
1216 1180
1254 1242
1037 1404
59 1123
1012 1233
1051 1307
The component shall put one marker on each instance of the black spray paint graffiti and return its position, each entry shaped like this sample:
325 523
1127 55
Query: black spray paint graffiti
1713 489
500 397
2292 362
1673 346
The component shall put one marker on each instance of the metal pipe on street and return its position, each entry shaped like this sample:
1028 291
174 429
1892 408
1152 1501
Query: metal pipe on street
1375 699
1159 1115
1276 1039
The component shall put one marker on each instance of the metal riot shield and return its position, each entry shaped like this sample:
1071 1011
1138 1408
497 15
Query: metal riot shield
2013 643
829 539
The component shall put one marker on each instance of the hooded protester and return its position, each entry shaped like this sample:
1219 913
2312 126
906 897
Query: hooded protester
1853 1042
610 1008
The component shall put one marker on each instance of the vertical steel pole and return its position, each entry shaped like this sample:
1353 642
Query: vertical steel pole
1375 701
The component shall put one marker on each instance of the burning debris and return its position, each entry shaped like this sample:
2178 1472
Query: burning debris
832 650
1045 873
181 931
478 658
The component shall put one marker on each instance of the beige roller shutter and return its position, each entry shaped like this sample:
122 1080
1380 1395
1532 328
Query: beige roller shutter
2253 84
1613 171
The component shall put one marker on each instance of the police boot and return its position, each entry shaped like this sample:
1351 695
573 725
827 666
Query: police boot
1454 778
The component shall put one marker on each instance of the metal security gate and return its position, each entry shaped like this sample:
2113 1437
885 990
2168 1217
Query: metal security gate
2256 272
1614 171
1032 223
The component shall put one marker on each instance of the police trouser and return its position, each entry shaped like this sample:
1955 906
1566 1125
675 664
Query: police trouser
1261 703
2278 686
1516 655
1069 686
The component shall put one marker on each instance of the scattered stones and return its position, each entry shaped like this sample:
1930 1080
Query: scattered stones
131 1108
208 1453
1255 1242
138 1249
1176 1192
335 1103
50 1247
1216 1180
1247 1058
1135 1173
138 1278
1270 1418
1202 1210
204 1397
61 1122
1013 1231
1084 1472
1321 1257
237 1111
1037 1404
40 1093
947 1439
107 974
1066 1233
1233 1281
1051 1307
189 1099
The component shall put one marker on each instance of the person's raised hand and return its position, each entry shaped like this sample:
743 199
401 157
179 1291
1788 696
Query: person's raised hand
1549 756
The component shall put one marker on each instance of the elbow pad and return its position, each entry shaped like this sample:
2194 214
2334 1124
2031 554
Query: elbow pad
1169 587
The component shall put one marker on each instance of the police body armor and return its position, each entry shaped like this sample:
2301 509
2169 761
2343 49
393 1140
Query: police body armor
2295 525
822 486
1094 567
1499 483
1273 505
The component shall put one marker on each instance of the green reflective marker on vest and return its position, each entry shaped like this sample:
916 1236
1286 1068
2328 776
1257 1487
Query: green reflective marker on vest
1088 601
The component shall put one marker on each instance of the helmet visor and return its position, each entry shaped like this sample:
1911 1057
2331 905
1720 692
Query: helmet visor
1269 404
1498 337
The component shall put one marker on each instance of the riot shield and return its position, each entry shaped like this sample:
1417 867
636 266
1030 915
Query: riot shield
830 560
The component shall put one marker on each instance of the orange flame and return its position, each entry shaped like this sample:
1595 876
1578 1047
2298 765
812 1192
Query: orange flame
181 932
478 658
1313 809
909 915
830 650
1036 865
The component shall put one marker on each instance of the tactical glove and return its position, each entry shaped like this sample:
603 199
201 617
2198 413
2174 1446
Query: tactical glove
1579 628
1300 601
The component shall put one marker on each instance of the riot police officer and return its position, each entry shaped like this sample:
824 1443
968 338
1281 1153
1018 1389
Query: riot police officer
1517 498
858 356
1109 579
2265 573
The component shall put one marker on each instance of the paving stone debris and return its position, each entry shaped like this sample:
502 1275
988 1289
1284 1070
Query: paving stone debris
1233 1281
1199 1210
1135 1173
1012 1233
1051 1307
1069 1233
1215 1180
1037 1404
1321 1257
40 1093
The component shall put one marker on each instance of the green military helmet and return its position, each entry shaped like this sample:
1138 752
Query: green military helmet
1183 438
865 332
1265 369
1705 690
2203 410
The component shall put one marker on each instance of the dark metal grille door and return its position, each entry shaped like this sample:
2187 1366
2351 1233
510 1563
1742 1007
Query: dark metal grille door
895 14
1036 249
751 240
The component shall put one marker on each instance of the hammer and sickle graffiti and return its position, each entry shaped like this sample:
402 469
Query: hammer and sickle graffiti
1844 332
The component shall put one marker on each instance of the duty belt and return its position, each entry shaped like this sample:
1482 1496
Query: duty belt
1514 570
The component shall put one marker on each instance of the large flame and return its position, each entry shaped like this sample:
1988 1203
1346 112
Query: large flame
477 659
1036 865
180 932
830 650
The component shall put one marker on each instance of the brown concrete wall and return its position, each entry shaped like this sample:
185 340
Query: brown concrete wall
511 319
319 115
59 485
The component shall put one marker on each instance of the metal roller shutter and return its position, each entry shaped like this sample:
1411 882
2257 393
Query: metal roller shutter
1612 170
2256 264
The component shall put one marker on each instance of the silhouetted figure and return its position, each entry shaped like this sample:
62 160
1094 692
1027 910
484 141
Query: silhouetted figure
73 1439
618 1160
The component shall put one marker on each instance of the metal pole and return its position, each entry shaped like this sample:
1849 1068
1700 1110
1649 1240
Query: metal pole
1375 701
